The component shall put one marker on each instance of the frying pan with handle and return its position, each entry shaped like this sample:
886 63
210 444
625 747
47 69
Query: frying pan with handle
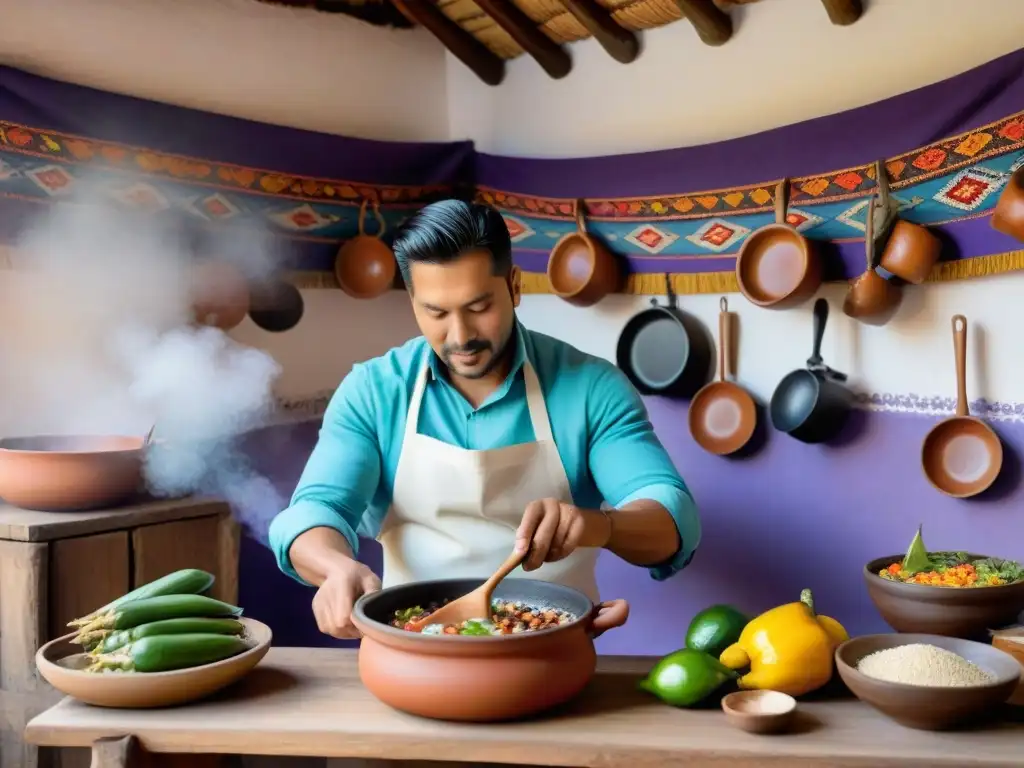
722 415
812 403
962 455
665 351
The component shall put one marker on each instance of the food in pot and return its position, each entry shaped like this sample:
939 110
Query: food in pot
951 569
686 677
507 618
925 665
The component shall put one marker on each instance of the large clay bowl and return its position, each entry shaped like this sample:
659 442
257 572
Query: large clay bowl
929 708
59 473
475 679
62 663
950 611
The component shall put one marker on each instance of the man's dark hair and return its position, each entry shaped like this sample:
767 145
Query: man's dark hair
441 232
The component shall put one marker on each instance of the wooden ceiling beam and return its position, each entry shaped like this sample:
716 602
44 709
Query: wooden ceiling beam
713 26
552 57
478 57
618 42
843 12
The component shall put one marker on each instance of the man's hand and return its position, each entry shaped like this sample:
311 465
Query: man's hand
551 530
332 604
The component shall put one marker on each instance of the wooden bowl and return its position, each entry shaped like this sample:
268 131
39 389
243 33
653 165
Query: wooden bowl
926 707
61 473
1011 641
950 611
61 664
761 712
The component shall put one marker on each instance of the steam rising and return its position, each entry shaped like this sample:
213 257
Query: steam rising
97 340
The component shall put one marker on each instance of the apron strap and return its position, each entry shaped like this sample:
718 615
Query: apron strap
535 404
412 418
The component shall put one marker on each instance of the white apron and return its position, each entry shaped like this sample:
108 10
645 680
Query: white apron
454 512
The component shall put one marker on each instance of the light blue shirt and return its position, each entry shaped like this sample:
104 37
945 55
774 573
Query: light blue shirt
600 426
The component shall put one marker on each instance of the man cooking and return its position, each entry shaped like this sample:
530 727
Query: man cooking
475 438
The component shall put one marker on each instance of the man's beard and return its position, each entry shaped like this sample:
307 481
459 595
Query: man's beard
472 347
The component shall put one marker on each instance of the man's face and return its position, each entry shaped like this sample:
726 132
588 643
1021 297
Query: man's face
465 312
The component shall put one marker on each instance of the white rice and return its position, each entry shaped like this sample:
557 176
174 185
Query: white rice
924 665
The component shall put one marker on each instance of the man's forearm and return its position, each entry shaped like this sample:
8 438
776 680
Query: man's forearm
314 553
641 532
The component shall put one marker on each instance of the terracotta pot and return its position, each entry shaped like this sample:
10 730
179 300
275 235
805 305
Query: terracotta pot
581 270
480 679
365 265
220 294
949 611
871 298
70 472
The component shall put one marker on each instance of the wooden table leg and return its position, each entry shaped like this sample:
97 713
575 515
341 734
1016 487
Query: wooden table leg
118 752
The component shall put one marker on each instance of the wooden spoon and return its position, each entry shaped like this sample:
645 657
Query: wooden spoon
475 605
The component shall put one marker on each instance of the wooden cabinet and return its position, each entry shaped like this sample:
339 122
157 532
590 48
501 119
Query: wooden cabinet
55 567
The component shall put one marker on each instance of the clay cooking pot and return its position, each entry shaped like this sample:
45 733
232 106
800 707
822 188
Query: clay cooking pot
480 679
871 298
580 269
365 265
910 250
70 472
220 294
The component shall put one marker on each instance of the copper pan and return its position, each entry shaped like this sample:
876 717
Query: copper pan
219 294
777 267
871 298
961 455
910 251
63 473
1008 216
365 265
581 270
722 414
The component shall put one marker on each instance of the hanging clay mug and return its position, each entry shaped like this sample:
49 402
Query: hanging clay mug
365 265
910 249
871 298
219 294
581 270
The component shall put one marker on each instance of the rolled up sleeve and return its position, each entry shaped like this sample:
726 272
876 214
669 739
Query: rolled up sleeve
629 463
341 475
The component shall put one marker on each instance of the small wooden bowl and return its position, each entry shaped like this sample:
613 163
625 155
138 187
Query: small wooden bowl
61 664
761 712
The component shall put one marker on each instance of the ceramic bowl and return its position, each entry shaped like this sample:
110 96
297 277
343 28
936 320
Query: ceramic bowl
62 665
761 712
452 677
950 611
926 707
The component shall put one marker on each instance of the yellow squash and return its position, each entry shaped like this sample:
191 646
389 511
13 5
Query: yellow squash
787 649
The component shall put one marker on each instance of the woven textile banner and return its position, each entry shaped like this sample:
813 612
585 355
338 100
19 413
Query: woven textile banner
948 150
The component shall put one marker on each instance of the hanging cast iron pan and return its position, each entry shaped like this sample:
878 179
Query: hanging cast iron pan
722 415
962 455
277 305
665 351
812 403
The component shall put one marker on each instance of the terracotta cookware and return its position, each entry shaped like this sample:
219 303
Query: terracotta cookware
761 711
476 604
962 455
925 707
63 473
220 294
910 250
777 267
481 679
664 350
722 414
277 305
871 298
1011 641
365 265
812 403
1008 216
62 665
581 270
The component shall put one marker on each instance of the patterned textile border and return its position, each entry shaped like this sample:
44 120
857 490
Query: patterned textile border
313 406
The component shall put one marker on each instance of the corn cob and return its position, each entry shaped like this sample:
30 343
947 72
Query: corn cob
163 653
188 581
157 609
105 641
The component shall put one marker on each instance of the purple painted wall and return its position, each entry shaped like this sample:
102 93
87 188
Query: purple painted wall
789 516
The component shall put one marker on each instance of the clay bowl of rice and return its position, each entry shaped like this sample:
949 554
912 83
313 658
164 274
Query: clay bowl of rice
928 682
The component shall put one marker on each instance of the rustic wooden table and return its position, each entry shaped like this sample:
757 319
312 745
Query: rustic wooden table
55 566
303 701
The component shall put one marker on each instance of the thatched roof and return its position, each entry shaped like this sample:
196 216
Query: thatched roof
484 33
